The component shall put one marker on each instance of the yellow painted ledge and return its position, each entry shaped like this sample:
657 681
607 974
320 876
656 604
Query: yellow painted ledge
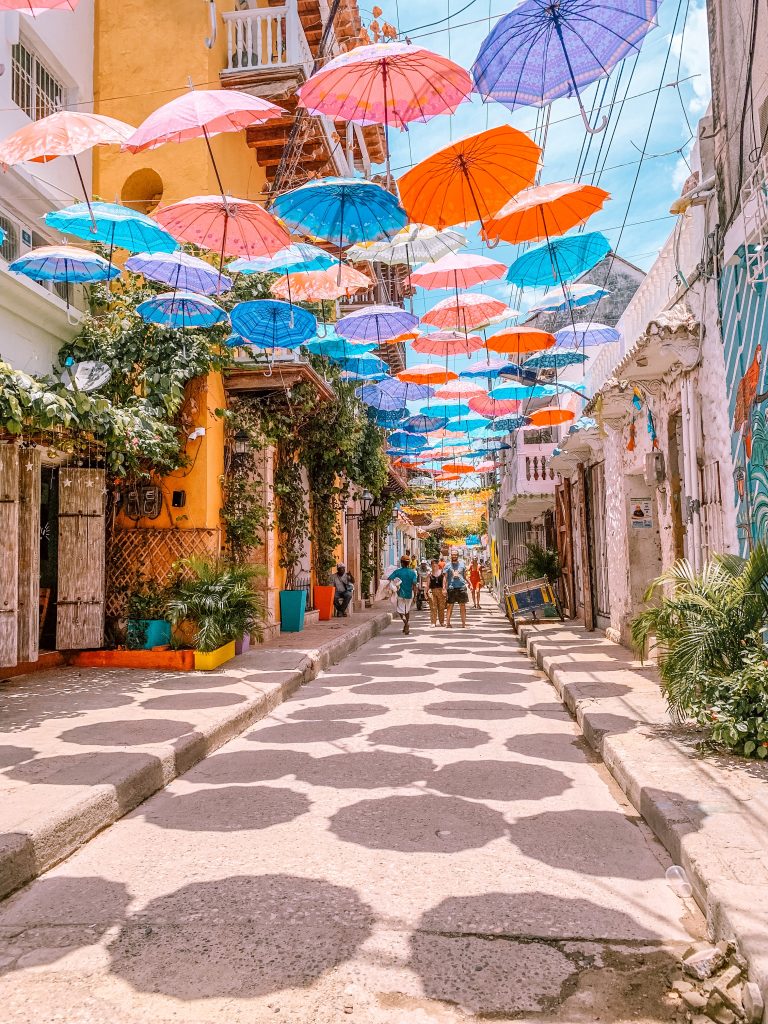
205 661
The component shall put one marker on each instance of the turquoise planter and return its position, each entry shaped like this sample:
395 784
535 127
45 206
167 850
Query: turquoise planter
293 604
144 634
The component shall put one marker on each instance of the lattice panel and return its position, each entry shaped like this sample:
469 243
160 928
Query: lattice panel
152 553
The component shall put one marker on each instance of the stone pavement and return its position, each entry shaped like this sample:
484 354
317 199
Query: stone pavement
81 747
418 836
710 812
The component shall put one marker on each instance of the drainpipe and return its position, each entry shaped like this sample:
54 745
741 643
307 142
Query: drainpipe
693 493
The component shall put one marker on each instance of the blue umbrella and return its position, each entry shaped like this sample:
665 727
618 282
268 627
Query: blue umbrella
364 364
334 347
583 335
522 391
559 260
526 376
405 442
571 296
373 377
66 263
114 225
555 360
422 424
507 424
181 309
181 271
450 411
298 257
543 50
270 323
387 417
341 210
484 368
468 424
376 323
496 446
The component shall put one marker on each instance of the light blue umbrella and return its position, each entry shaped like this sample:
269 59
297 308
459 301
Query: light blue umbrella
332 346
555 360
450 411
522 391
64 263
559 260
364 364
387 417
341 210
376 323
583 335
571 296
180 271
181 309
373 377
407 443
470 424
422 424
270 323
115 225
295 258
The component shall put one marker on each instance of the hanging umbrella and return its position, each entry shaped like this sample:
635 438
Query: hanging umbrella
457 270
586 335
114 225
467 311
334 347
447 343
393 394
449 410
484 368
520 373
458 467
498 446
268 323
341 210
375 323
517 341
388 84
407 442
421 424
470 180
231 227
560 260
541 51
570 296
462 389
299 256
511 423
180 271
469 424
551 416
556 360
316 285
65 263
415 243
37 6
386 417
350 375
181 309
546 211
485 405
521 392
364 364
441 435
487 466
427 373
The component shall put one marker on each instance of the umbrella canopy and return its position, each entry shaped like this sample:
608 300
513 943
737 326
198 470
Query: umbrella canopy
427 373
36 6
551 416
496 446
555 360
299 256
467 311
181 271
521 392
484 405
65 133
201 113
469 424
471 179
233 227
181 309
334 347
364 364
582 335
560 260
407 442
391 394
570 296
449 410
66 263
447 343
415 243
546 211
458 467
463 389
541 51
484 368
516 341
421 424
387 417
375 323
114 225
314 285
341 210
511 423
268 323
457 270
487 466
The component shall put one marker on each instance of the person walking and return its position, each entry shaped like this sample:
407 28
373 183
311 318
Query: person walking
475 581
436 594
408 580
344 583
456 588
422 593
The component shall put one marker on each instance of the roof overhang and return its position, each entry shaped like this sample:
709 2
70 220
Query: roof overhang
525 507
278 377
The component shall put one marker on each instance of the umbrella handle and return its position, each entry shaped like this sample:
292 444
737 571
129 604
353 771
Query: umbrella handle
592 131
492 244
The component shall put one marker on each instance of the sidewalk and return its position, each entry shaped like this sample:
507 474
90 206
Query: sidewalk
710 812
79 748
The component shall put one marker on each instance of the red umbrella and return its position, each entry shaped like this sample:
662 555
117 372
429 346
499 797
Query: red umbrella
447 343
466 312
483 405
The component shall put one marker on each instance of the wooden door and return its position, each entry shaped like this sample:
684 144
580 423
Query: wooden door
564 539
9 553
80 602
586 567
29 554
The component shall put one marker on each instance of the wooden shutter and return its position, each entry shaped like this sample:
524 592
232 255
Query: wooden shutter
80 601
9 553
29 554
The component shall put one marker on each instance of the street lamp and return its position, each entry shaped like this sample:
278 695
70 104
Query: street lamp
366 503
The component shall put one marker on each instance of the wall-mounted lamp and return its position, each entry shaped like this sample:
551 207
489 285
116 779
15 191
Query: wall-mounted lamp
240 444
370 507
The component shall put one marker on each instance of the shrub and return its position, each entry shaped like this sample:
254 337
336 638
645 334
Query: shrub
734 708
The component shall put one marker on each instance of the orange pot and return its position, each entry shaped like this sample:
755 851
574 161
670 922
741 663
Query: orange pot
323 597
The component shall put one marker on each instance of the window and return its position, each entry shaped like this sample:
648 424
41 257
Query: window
34 88
543 436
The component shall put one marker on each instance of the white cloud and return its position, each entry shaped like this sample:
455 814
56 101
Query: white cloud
694 59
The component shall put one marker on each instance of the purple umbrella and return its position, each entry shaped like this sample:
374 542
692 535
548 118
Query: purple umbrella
376 323
586 335
543 49
392 394
180 271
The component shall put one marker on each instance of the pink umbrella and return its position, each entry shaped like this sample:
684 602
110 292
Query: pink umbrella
447 343
231 227
457 270
38 6
493 407
486 467
466 312
462 389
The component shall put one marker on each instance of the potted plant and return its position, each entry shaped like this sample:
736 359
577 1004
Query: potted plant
543 562
293 526
222 601
146 625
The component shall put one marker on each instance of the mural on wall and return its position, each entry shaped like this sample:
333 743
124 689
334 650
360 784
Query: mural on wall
744 316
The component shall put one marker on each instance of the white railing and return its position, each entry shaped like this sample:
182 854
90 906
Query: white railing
754 212
267 38
527 473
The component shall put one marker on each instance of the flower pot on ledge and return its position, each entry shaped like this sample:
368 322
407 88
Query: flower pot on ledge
324 601
205 661
293 605
144 634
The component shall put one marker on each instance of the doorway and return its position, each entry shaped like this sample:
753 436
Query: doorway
49 555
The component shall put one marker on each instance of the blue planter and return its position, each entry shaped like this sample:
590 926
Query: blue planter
293 604
144 634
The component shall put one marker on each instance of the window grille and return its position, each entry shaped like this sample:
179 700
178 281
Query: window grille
34 87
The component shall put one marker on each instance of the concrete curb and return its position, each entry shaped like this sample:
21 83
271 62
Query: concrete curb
50 838
711 820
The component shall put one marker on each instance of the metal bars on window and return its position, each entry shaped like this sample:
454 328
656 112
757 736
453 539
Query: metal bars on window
34 88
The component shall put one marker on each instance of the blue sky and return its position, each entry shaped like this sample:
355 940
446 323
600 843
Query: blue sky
647 222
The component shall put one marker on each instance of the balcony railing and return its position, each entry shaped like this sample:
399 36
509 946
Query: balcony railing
527 474
267 38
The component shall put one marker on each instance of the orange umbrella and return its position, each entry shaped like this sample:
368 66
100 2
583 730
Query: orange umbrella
467 311
471 179
426 373
401 339
517 341
313 285
445 477
458 467
540 213
550 416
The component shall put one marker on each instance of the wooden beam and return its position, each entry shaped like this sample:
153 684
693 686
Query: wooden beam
586 566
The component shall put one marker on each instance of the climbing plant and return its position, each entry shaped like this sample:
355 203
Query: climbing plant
244 511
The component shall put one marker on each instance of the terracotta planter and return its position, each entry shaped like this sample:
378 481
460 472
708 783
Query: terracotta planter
324 601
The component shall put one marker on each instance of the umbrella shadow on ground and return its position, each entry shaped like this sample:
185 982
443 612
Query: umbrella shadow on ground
247 766
549 709
475 710
499 780
226 809
192 681
429 737
334 712
119 769
304 732
127 733
552 747
30 701
197 701
387 689
11 755
492 687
